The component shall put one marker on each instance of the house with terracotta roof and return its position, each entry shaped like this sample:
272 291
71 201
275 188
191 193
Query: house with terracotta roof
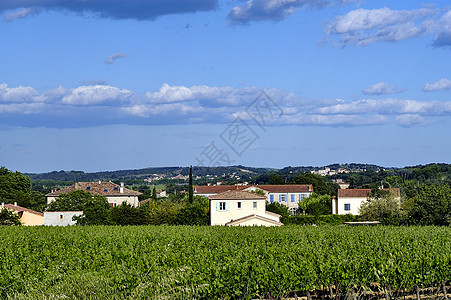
348 201
27 217
241 208
115 194
288 195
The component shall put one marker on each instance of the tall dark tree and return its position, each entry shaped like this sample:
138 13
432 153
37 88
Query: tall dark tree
190 188
154 193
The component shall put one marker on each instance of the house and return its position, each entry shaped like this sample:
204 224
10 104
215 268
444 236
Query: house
27 217
60 218
348 201
240 208
288 195
115 194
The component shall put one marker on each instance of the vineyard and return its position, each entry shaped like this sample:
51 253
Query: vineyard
169 262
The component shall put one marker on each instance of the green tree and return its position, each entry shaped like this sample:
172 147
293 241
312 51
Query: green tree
190 185
162 212
193 214
277 208
275 179
125 214
13 185
72 201
383 206
259 192
8 217
154 193
316 204
95 212
320 185
432 206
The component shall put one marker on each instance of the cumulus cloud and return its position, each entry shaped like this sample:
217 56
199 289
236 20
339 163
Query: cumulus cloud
114 9
87 95
442 84
381 88
209 96
409 120
389 107
113 57
275 10
102 104
362 27
17 94
443 38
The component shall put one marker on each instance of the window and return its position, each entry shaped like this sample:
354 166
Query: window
302 196
115 188
239 205
271 198
347 206
105 190
282 198
88 188
292 197
254 205
222 206
61 217
113 204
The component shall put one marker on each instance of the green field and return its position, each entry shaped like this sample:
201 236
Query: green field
170 262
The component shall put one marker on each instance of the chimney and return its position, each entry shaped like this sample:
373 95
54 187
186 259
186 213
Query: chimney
15 203
122 188
3 204
100 181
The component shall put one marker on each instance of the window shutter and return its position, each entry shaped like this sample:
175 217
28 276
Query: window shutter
217 206
227 205
280 198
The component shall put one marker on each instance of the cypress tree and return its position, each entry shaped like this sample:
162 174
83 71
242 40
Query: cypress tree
190 188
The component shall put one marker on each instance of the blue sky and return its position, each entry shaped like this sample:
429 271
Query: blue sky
106 84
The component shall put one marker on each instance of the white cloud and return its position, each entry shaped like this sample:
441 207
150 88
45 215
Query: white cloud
442 84
366 26
209 95
205 104
17 94
87 95
381 88
409 120
389 107
275 10
144 110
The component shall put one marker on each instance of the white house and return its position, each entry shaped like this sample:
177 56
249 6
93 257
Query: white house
115 194
288 195
60 218
239 208
349 200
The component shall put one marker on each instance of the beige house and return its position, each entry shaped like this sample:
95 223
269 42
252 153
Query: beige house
27 217
240 208
288 195
115 194
349 200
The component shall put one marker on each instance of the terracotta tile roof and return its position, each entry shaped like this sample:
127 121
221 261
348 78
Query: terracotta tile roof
216 189
236 195
360 193
287 188
250 217
20 209
106 189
